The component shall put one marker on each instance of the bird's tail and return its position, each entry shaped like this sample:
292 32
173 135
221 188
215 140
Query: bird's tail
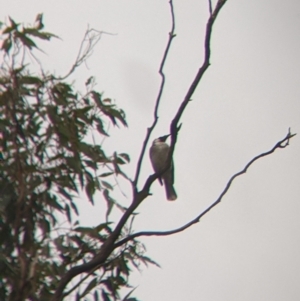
170 192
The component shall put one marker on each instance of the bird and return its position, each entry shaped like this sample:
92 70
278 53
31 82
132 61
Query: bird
158 155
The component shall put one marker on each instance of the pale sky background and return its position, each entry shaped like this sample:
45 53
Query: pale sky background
248 247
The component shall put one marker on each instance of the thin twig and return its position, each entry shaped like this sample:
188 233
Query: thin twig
281 144
89 41
210 7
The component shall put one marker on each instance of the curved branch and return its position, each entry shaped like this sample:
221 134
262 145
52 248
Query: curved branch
162 85
281 144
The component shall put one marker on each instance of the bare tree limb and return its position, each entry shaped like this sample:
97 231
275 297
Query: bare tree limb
138 196
89 41
162 85
281 144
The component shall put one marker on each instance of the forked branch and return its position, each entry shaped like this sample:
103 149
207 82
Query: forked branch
88 43
174 125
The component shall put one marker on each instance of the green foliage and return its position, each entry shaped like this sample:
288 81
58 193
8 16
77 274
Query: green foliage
48 161
14 37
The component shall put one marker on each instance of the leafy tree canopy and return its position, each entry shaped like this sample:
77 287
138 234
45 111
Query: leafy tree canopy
50 157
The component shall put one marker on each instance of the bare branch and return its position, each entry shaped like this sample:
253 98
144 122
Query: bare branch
210 7
162 85
89 41
281 144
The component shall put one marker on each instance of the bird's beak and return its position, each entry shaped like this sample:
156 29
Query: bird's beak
164 138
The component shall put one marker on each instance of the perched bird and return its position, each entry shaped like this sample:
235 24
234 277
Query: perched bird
158 156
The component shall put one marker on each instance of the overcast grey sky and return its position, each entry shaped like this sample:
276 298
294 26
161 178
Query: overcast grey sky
248 247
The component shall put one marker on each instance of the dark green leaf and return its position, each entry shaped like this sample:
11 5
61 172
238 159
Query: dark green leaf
105 174
67 209
88 150
65 193
110 203
90 286
31 80
74 164
97 98
26 41
62 130
8 30
91 164
115 163
123 266
13 23
84 230
6 45
100 127
105 296
120 161
74 207
96 296
147 260
102 226
82 112
41 35
109 285
90 190
118 115
51 201
107 185
125 156
45 226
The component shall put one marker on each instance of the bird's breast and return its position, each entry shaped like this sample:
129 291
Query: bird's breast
158 155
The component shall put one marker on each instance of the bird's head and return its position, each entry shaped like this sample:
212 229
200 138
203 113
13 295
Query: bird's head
161 139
